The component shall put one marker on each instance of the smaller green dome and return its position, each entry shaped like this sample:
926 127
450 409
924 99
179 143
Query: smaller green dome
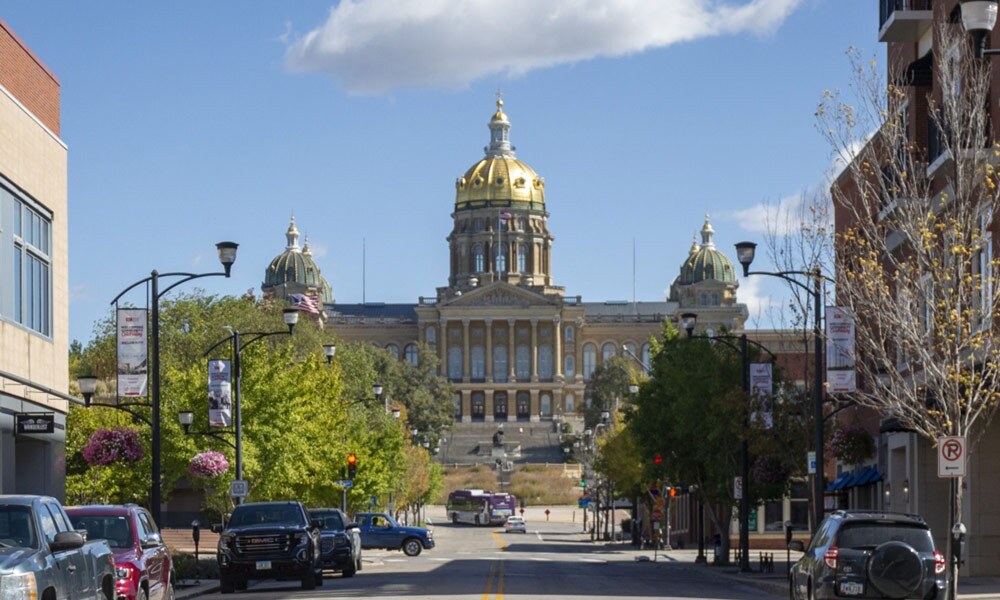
296 266
705 262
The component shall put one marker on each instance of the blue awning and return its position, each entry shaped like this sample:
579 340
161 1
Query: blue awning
873 476
839 482
859 476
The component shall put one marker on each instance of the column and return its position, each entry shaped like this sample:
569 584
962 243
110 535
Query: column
465 350
557 348
489 350
534 352
533 405
511 362
490 409
578 378
466 406
443 345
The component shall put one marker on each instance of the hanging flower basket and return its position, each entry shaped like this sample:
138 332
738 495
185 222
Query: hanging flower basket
107 446
207 465
851 445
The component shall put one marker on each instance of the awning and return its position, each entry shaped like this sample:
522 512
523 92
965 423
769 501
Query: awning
873 476
839 482
850 479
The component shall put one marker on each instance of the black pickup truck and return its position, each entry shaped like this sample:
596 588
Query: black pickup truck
269 540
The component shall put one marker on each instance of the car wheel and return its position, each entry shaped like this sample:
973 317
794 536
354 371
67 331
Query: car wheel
319 578
454 518
141 594
170 594
412 547
240 584
350 570
309 580
226 584
477 520
895 569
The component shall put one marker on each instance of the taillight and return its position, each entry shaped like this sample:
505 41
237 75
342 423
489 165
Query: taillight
830 558
939 563
126 571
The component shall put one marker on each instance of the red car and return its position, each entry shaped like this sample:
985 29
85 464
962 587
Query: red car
142 560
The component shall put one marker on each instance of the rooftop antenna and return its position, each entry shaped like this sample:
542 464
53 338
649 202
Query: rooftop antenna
363 267
633 277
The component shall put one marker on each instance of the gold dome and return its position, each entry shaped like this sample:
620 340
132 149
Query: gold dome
499 177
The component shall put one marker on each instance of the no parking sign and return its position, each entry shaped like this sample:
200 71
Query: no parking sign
951 456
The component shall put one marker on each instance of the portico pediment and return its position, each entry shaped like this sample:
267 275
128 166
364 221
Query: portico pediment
499 293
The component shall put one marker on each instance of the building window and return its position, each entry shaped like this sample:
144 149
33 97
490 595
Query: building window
477 356
589 360
545 406
393 349
645 357
608 351
31 241
411 355
545 361
477 225
457 399
500 364
477 258
501 258
454 363
568 335
568 401
715 299
569 365
522 362
704 299
629 350
522 258
431 336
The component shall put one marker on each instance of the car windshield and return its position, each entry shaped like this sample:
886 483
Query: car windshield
16 527
116 529
265 515
871 534
330 520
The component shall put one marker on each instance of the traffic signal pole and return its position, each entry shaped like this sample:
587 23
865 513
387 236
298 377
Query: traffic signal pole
343 491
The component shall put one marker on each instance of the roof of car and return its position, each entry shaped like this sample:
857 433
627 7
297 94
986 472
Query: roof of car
102 509
865 515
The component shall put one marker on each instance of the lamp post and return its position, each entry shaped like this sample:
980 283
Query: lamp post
689 320
227 256
329 350
290 317
979 17
377 390
745 253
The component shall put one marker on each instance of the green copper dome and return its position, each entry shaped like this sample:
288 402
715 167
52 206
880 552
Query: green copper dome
296 266
705 262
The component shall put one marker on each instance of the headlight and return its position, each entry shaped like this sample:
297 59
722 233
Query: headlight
225 540
18 587
300 537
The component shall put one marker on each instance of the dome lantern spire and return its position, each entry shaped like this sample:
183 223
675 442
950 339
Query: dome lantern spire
706 234
499 132
292 235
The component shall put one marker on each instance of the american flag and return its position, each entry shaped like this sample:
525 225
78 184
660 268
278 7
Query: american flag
305 303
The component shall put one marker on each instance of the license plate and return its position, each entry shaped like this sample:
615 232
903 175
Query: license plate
263 565
851 588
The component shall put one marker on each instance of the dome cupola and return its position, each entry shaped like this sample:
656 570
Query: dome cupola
295 271
706 262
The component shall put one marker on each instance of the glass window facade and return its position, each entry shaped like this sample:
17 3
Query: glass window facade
589 360
28 240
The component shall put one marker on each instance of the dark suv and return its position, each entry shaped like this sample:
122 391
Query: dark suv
142 560
269 540
340 541
868 555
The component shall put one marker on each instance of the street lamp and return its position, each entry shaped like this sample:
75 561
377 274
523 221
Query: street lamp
377 390
186 418
290 316
979 17
227 256
329 350
88 387
689 320
745 253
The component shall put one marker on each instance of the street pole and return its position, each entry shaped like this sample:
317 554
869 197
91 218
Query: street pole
818 480
237 409
745 461
154 492
701 531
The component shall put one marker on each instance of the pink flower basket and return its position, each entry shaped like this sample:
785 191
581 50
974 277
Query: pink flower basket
107 446
207 465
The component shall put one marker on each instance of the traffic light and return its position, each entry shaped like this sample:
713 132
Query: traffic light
352 465
673 492
657 459
583 483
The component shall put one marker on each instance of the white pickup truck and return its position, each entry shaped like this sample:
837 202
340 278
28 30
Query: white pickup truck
42 556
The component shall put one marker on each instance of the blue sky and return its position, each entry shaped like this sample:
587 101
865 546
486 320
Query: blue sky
190 123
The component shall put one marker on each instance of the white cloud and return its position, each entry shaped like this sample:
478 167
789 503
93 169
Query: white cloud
374 46
763 217
752 292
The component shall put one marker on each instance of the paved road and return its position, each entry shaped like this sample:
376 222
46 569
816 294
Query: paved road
553 561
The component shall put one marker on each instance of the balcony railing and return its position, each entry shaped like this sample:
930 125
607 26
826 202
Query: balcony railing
904 20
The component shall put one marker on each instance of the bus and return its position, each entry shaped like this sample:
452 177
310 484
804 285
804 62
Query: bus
480 507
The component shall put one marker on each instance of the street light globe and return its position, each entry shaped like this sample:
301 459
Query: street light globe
979 15
227 254
745 252
329 350
377 389
633 388
395 413
185 417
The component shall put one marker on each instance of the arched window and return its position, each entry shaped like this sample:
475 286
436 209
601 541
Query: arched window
589 360
430 335
477 358
646 357
715 299
522 258
545 361
500 364
477 259
411 355
521 224
569 365
454 362
568 333
629 350
522 362
477 225
545 406
568 402
393 349
501 258
608 351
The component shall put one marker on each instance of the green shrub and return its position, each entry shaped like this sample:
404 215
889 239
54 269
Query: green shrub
185 566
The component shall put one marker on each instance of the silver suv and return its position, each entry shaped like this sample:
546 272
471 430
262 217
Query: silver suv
868 555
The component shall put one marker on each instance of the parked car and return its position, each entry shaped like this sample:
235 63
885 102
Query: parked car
379 530
142 560
269 540
515 525
869 555
340 541
42 556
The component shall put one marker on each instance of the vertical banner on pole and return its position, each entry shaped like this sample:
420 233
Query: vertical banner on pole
761 390
840 373
133 353
220 393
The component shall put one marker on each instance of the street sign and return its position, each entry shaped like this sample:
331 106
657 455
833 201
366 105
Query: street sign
738 488
239 488
582 502
811 462
951 456
344 483
657 515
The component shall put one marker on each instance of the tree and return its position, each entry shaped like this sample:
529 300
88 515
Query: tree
916 244
608 389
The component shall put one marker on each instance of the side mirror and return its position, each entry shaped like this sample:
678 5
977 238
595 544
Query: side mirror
217 528
152 540
796 546
66 540
352 525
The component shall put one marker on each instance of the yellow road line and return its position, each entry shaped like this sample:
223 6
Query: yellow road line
496 573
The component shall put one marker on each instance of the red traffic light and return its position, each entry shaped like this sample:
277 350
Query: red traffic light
352 459
657 459
673 492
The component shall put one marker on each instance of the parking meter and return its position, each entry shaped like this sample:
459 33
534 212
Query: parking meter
788 532
196 531
958 543
788 550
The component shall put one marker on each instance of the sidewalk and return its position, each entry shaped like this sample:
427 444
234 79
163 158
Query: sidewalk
190 588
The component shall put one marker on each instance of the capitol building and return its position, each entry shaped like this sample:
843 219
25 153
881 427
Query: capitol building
514 345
